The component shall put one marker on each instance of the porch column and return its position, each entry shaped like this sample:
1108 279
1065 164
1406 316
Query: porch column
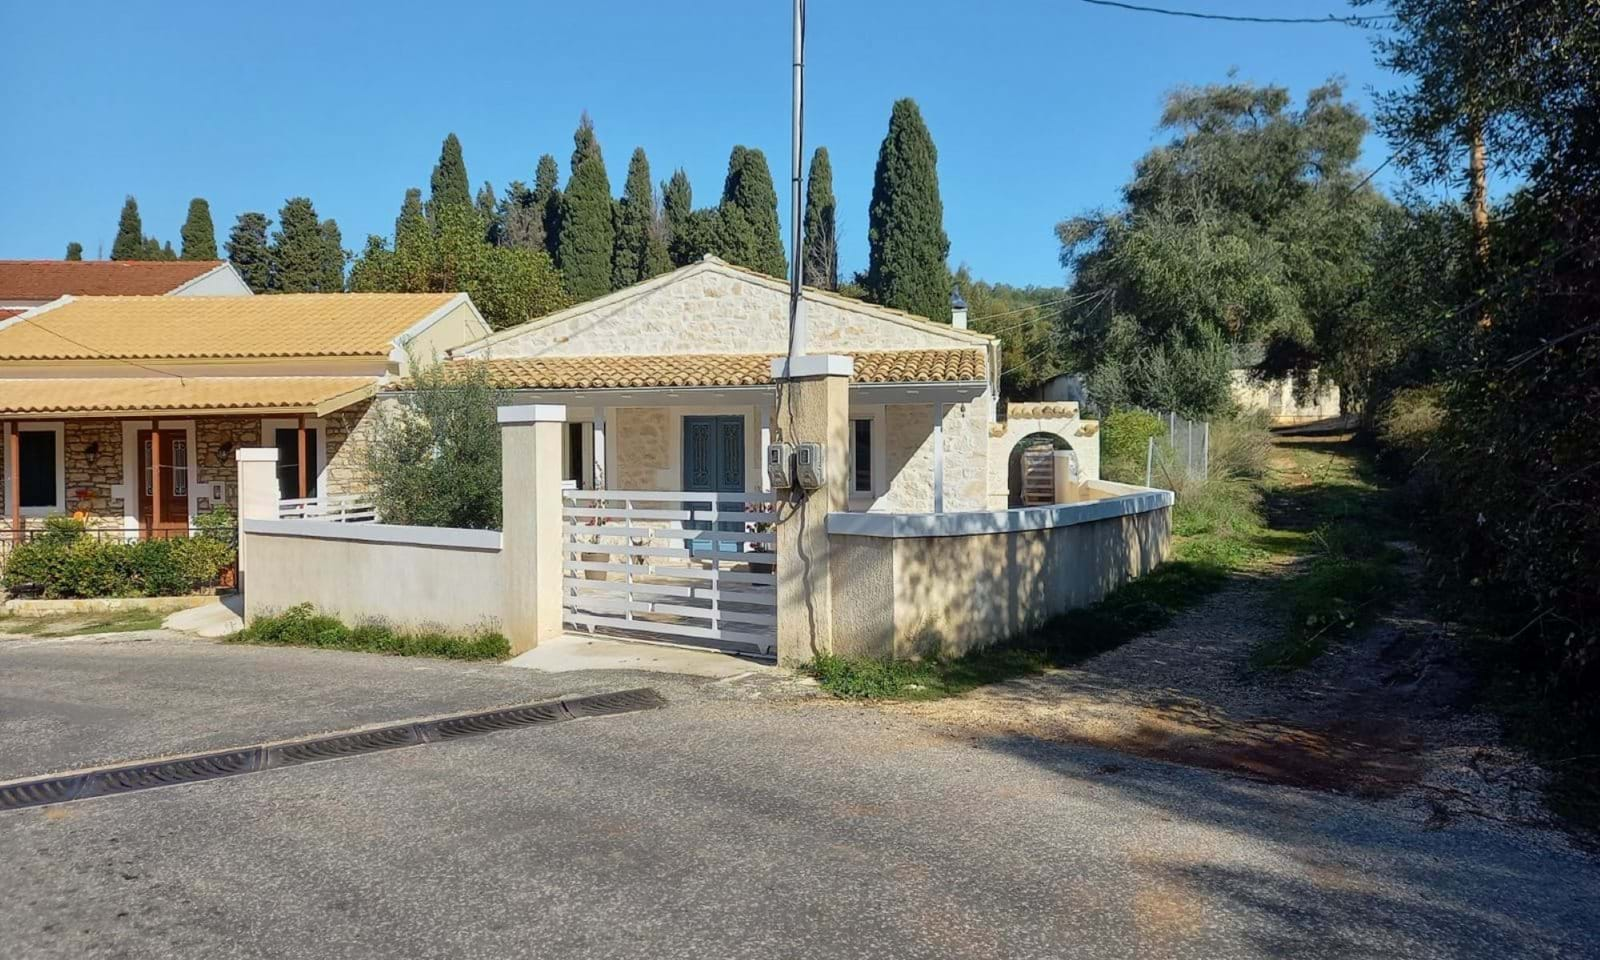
258 492
761 451
813 407
14 480
938 458
598 469
300 438
155 482
530 528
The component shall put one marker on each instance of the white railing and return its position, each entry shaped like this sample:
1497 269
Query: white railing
672 565
335 508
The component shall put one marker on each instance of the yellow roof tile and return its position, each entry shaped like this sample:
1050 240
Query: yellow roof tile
153 328
121 396
721 370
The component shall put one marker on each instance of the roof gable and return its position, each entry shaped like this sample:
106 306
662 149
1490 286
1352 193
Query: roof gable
715 307
22 280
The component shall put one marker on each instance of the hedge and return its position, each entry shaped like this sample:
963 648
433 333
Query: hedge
63 561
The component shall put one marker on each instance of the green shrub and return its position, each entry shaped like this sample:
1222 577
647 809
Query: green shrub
1240 447
303 626
1124 440
64 562
1408 423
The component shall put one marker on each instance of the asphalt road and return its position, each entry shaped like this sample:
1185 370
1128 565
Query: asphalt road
731 824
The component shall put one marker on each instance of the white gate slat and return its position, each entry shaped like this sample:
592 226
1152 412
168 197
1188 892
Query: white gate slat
666 533
662 573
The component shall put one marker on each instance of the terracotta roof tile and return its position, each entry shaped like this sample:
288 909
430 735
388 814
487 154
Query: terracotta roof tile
49 279
123 395
721 370
154 328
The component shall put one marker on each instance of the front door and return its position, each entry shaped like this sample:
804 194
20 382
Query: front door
713 462
164 479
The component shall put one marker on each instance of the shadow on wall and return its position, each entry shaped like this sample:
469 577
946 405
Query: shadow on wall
963 593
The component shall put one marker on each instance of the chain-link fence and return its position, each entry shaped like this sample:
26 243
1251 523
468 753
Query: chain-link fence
1184 455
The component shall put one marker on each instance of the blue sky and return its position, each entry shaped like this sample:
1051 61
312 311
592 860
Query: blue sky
1038 107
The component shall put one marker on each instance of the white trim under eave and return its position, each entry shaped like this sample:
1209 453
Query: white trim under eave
377 533
903 526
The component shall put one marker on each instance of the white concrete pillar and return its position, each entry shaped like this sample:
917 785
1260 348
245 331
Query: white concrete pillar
530 527
938 458
258 492
598 468
813 407
761 451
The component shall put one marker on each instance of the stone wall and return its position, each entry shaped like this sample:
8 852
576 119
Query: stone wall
89 484
643 444
349 432
908 457
213 436
720 310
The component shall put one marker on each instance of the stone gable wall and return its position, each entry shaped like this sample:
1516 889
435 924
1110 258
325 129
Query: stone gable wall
714 313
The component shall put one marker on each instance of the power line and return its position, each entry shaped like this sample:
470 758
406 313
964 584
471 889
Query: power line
1231 18
96 350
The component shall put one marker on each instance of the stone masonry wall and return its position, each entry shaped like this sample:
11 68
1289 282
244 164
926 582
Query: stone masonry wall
713 312
89 484
908 438
643 441
211 437
350 431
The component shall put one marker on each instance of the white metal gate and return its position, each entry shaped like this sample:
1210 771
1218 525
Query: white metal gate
680 566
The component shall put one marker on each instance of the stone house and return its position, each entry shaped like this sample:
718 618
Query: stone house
668 387
126 410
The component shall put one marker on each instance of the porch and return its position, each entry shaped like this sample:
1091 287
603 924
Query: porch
146 477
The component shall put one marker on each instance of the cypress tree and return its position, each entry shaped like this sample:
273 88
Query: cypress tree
411 216
749 234
907 247
488 213
334 256
198 234
547 201
677 207
640 251
519 225
167 253
299 252
74 251
821 245
248 251
448 185
129 244
586 236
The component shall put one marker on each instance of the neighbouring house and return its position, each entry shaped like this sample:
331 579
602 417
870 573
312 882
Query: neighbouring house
1287 401
668 386
127 410
25 284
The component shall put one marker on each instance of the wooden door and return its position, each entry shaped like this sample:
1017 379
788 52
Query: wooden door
164 479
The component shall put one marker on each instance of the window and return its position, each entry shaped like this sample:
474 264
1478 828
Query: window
572 463
36 456
861 456
287 440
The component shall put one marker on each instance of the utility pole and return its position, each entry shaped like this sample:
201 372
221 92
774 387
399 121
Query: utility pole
797 306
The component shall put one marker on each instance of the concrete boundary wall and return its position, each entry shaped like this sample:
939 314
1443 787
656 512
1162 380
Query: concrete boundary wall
921 584
406 576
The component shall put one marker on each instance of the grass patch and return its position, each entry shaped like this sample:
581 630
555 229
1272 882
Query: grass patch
69 625
302 626
1332 506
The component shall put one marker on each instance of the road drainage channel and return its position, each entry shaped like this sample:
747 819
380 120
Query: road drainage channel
112 781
